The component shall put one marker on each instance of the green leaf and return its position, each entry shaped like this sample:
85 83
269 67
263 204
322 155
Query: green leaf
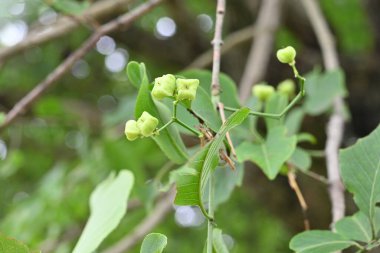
271 154
154 243
218 242
226 180
191 181
275 104
204 108
360 170
306 137
300 159
377 221
108 205
10 245
356 227
293 120
2 117
322 89
70 6
169 140
134 73
228 93
317 241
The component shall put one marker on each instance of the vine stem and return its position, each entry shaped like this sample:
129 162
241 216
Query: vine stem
217 43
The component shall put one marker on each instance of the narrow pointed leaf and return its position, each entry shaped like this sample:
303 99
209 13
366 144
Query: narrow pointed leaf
360 169
108 205
317 241
356 227
154 243
271 154
191 181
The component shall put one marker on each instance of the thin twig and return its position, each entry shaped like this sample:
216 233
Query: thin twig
230 42
315 176
118 23
163 208
258 58
294 185
335 125
63 26
217 43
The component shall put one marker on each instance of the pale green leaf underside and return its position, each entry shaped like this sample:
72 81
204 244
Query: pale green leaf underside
356 227
108 205
360 169
154 243
322 89
271 154
317 241
218 242
300 159
191 181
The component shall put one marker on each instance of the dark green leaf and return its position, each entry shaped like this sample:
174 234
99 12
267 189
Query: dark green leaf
356 227
154 243
228 93
360 170
317 241
271 154
205 109
169 140
322 89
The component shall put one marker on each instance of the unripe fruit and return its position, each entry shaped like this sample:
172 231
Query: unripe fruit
147 124
132 132
262 91
287 87
164 86
287 55
186 88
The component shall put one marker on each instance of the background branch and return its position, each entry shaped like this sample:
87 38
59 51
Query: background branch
231 41
267 22
64 25
335 126
118 23
163 207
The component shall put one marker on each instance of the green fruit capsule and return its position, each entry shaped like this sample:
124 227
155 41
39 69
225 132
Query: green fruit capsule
287 55
262 91
147 124
287 87
132 132
187 88
164 86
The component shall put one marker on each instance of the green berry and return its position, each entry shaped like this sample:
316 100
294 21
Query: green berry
262 91
132 132
287 55
164 86
287 87
147 124
187 88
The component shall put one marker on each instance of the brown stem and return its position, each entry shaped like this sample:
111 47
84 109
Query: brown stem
118 23
335 126
301 200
